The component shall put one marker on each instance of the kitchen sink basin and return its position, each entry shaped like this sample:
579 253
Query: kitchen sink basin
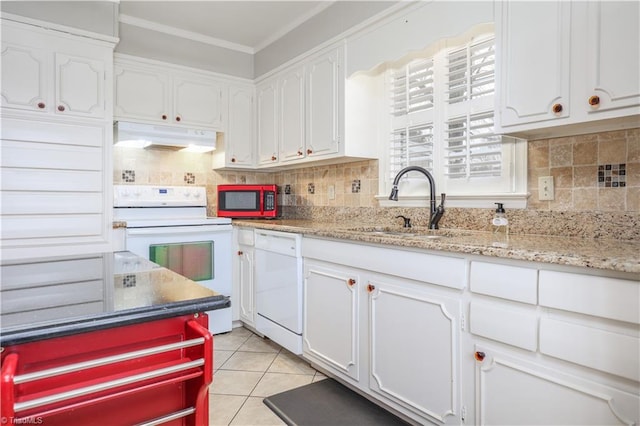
414 232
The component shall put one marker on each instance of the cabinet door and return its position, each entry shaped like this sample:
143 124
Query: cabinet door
291 90
267 123
198 102
414 347
533 52
613 68
80 86
241 127
330 334
25 73
141 94
515 390
245 277
325 90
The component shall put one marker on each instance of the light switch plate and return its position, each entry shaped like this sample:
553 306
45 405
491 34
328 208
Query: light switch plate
545 188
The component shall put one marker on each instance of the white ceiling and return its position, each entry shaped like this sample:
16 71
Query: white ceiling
245 26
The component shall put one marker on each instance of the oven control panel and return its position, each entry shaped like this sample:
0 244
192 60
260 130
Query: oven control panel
159 196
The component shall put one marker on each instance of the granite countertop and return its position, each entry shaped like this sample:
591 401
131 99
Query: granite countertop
104 290
611 255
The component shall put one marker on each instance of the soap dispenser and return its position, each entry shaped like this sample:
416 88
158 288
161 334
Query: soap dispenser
500 222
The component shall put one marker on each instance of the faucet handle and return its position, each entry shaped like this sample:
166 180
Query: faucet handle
442 197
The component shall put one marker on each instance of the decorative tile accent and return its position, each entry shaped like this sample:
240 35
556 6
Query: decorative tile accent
311 189
287 189
355 186
189 178
129 281
612 175
129 176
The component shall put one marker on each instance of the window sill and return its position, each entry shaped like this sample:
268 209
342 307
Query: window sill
513 201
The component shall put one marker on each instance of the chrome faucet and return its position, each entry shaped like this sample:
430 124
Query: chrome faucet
435 213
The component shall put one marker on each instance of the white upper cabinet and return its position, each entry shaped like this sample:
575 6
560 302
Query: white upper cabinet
141 93
534 61
238 147
148 92
563 65
613 57
292 121
62 76
325 94
198 102
266 94
303 111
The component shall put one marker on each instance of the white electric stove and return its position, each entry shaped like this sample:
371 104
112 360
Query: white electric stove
169 226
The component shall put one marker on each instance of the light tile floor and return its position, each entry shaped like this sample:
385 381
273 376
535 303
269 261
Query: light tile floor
248 368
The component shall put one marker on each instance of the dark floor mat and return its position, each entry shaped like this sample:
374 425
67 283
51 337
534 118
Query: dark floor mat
327 402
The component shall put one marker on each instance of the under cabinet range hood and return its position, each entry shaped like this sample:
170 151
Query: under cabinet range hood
138 135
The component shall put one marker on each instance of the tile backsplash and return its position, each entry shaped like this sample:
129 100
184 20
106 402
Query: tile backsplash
577 163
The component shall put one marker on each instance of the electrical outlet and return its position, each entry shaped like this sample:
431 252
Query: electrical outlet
545 188
331 192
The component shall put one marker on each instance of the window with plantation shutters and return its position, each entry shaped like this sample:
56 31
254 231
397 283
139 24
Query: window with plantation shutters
442 119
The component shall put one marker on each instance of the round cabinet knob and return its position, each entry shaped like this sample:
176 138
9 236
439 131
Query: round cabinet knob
594 100
479 356
370 288
240 252
309 151
556 108
233 159
61 108
178 118
299 153
164 116
274 158
351 282
41 105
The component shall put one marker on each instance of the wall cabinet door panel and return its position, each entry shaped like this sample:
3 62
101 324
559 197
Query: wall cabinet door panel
291 116
534 63
80 86
198 102
239 139
325 90
267 123
25 79
613 66
141 94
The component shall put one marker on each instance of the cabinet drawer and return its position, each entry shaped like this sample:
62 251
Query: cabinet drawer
604 297
504 325
245 237
595 348
507 282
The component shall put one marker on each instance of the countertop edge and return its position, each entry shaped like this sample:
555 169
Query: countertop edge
115 320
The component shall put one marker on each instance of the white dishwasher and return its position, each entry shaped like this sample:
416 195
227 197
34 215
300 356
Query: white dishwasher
278 286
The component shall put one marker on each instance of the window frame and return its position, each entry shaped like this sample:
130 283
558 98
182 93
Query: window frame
510 188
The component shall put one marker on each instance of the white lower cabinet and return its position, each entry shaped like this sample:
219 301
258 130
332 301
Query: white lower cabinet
513 389
395 339
245 267
331 317
413 347
552 346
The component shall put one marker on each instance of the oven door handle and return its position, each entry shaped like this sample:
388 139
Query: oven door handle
176 230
